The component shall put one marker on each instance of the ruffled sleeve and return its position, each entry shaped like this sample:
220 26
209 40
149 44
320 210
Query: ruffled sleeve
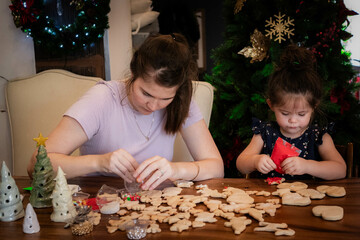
258 126
319 132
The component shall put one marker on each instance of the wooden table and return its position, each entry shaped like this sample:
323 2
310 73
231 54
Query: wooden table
300 219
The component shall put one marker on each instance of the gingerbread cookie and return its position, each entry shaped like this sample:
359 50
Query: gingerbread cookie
180 226
186 206
212 205
332 191
197 224
280 229
312 193
238 224
281 192
295 186
268 207
205 217
329 213
295 199
207 192
183 183
153 228
240 198
171 191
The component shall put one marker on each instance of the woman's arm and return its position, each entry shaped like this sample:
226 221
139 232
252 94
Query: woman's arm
63 140
66 138
250 159
202 147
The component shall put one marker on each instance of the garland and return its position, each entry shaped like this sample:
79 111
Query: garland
88 27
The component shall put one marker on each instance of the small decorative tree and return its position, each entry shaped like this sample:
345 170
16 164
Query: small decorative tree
43 176
11 207
64 208
31 223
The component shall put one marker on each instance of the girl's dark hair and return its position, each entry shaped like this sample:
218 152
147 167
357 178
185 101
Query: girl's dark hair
169 57
295 74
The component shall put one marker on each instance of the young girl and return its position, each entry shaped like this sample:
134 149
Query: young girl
294 93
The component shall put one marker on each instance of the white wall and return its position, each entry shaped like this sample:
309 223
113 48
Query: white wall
18 58
118 51
353 44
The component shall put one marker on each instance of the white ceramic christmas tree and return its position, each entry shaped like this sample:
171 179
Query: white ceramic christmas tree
31 223
11 207
64 208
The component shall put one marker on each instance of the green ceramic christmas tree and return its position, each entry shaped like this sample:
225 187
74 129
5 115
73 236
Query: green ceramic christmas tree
43 177
11 207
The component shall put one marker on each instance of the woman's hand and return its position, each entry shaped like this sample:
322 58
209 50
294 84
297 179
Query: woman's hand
121 163
153 171
265 164
294 166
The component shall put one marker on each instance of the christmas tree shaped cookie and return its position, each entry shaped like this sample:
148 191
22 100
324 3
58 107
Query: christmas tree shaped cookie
64 208
31 223
11 207
43 176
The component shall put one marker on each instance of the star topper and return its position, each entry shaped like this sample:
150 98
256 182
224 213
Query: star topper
40 140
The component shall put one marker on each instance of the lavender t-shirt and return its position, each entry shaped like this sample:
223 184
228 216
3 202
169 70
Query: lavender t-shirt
108 120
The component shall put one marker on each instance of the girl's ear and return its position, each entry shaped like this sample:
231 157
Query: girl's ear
269 103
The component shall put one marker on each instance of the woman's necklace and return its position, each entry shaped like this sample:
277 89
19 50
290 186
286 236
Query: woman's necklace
147 137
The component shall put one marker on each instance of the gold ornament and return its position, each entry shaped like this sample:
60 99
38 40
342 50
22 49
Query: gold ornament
238 6
79 4
279 27
259 49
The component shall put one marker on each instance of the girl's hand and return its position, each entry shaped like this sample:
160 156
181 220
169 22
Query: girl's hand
121 163
153 171
294 166
265 164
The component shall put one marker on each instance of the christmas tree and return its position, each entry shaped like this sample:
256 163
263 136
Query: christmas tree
31 223
256 33
11 207
64 208
43 175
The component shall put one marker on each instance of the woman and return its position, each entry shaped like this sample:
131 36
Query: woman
127 128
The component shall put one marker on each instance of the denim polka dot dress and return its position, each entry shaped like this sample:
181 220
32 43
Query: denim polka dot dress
308 143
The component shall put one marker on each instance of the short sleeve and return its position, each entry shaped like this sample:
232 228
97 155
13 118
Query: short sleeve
258 126
194 115
319 132
90 109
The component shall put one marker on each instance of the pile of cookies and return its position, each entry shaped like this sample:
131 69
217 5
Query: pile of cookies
233 204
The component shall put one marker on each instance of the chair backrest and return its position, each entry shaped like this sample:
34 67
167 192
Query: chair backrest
36 104
347 152
203 96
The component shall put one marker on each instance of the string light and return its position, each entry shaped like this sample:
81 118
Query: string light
82 32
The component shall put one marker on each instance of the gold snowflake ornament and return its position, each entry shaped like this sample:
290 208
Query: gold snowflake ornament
279 28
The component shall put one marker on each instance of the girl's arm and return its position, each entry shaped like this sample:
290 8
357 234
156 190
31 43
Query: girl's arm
66 138
251 159
332 165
